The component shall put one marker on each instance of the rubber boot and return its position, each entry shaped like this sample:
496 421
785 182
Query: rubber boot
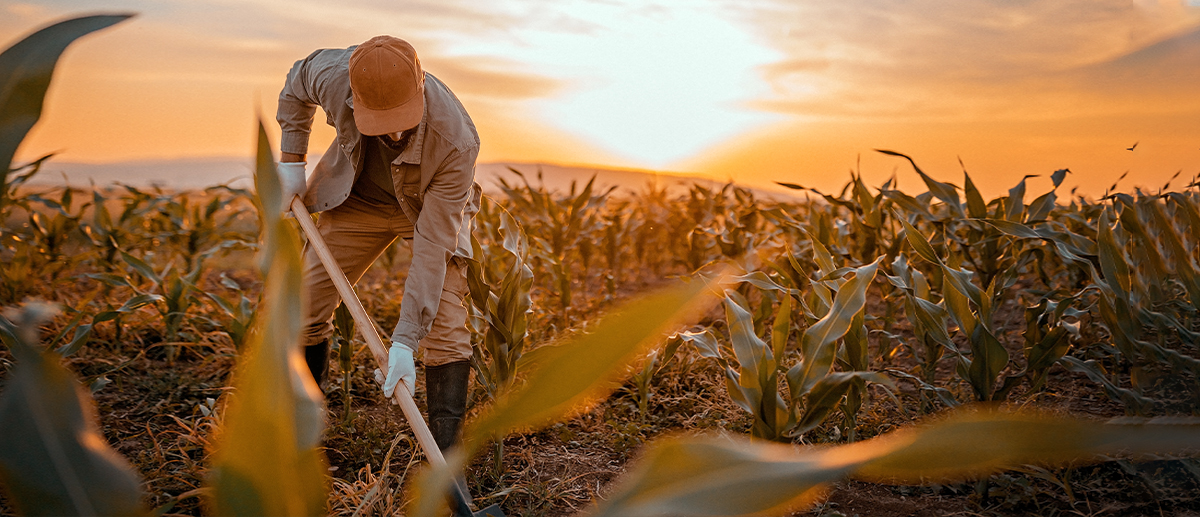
446 392
446 399
317 357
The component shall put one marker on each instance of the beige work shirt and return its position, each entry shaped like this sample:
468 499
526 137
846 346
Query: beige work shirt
434 175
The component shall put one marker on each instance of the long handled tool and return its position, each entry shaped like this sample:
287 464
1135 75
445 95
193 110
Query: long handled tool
367 327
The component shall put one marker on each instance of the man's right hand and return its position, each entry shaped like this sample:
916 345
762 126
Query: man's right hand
291 182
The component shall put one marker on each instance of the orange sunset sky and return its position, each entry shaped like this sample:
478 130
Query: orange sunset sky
753 90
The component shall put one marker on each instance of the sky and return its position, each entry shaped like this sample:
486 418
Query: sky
755 91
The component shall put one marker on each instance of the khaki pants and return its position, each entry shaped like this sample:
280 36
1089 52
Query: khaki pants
357 233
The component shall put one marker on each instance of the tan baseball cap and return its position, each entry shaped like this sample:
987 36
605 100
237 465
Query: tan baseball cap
388 86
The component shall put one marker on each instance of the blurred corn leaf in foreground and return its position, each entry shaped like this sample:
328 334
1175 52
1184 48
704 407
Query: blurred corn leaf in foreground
718 476
53 459
25 70
566 377
585 367
267 461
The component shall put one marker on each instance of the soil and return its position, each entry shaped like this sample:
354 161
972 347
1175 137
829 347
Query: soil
157 412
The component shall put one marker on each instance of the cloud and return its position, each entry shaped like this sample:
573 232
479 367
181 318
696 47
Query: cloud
487 77
1013 87
931 59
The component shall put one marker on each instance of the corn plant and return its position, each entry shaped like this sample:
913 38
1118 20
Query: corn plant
241 314
720 476
558 229
178 293
198 232
988 357
929 318
52 230
642 380
500 302
342 346
54 459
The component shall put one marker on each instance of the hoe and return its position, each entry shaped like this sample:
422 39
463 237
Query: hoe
461 498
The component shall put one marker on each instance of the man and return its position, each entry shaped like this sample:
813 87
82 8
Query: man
403 164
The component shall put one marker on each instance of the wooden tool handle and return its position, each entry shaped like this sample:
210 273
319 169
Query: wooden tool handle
367 327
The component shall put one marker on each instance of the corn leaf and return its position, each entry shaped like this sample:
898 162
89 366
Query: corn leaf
1112 259
1015 204
782 328
816 345
25 72
1181 258
1058 176
946 192
1040 208
584 367
267 461
827 394
726 476
1137 404
53 458
976 207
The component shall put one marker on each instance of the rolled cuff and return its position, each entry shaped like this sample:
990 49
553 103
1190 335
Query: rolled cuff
295 142
408 334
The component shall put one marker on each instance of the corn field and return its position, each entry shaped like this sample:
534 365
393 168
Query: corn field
683 350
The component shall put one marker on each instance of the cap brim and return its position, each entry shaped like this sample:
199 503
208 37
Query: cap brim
394 120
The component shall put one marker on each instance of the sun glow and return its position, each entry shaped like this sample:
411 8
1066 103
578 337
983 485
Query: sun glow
651 82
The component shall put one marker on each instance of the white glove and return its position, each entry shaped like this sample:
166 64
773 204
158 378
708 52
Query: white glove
291 182
400 368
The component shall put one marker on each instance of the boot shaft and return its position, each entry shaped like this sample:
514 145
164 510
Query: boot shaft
446 395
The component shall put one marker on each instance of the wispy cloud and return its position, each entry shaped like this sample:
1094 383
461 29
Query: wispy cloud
925 58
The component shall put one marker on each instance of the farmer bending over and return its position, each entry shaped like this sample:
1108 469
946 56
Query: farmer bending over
403 164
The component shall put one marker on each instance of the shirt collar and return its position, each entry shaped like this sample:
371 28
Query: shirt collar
412 151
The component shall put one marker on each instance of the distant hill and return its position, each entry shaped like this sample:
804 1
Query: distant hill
205 172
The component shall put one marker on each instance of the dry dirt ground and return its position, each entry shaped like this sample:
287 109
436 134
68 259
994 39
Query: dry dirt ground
152 414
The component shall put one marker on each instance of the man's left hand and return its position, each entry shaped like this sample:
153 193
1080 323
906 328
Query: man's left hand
401 367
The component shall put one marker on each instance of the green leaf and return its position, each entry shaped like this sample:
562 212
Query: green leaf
268 460
975 443
816 345
584 367
908 203
141 267
1058 176
1112 258
1015 203
1014 229
1041 207
1133 402
727 476
988 357
919 243
1181 259
53 458
704 341
782 328
827 394
25 72
750 350
946 192
976 207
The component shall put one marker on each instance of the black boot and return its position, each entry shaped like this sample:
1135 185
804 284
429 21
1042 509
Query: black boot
317 357
446 394
446 391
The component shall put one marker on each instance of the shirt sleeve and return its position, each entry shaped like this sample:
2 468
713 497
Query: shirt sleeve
435 239
298 103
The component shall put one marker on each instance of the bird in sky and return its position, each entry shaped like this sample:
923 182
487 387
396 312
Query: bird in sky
1132 147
